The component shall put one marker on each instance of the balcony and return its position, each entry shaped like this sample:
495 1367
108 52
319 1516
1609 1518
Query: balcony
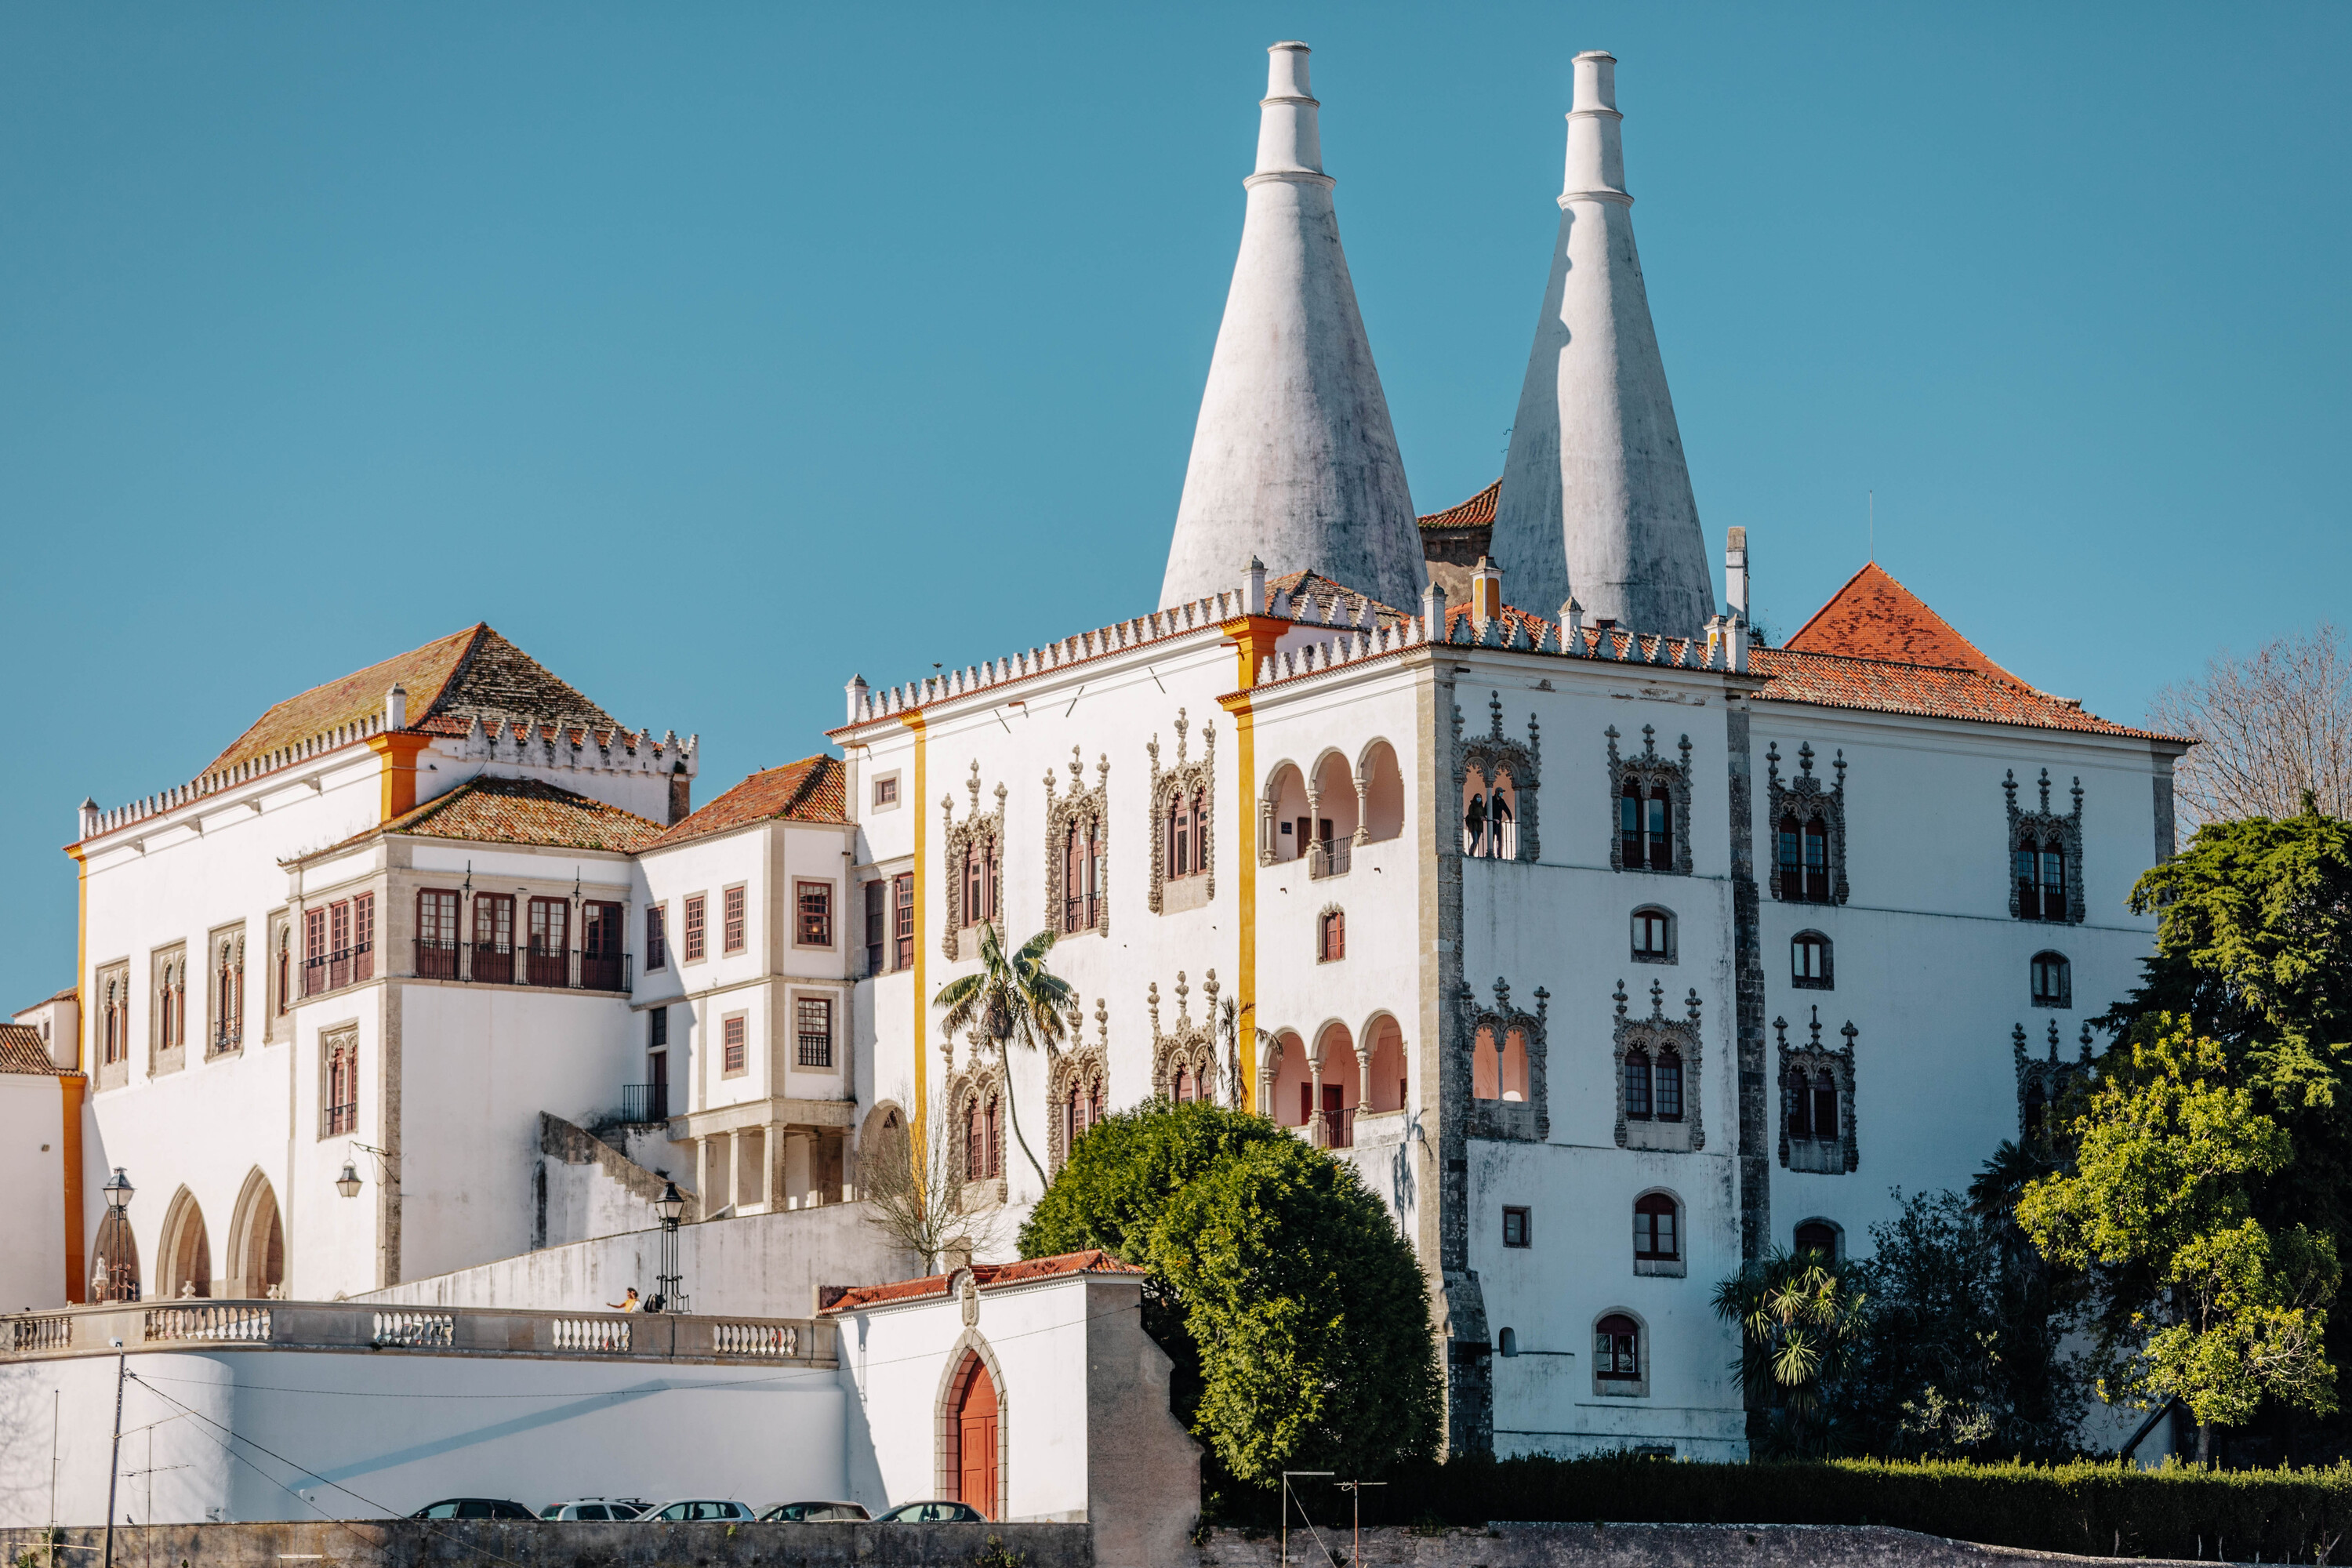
488 964
333 971
1333 1129
644 1103
1080 913
1328 857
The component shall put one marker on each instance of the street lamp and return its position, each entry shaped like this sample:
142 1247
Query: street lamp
119 1192
348 1183
116 1279
671 1208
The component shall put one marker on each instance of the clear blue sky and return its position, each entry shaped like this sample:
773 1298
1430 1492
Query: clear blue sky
714 353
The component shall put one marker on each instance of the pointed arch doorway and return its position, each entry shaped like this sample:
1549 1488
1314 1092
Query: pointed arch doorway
973 1431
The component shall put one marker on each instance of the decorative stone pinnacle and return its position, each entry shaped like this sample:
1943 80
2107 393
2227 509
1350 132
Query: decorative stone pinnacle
2053 1039
1805 758
1780 1029
1621 998
1817 1026
1657 998
2046 792
1849 1032
1502 995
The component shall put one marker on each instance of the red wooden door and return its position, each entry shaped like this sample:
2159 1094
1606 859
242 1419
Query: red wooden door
976 1440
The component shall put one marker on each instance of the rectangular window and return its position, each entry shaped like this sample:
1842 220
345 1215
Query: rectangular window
694 937
364 937
656 937
814 1019
494 938
877 925
1334 945
902 912
603 965
813 909
657 1029
551 942
736 1051
314 951
731 918
886 791
436 933
1515 1228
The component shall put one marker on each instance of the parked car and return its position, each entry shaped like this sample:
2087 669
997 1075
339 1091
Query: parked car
717 1509
814 1513
594 1508
937 1510
473 1508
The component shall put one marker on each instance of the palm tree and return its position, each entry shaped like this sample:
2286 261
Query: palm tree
1013 997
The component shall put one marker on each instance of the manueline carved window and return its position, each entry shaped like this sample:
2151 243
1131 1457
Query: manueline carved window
1651 799
1183 873
1184 1064
1657 1061
1807 831
976 1133
1509 1085
1077 1083
1077 824
1817 1101
1496 778
2045 852
2045 1086
974 851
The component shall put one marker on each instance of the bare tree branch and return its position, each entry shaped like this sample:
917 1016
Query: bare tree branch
2268 726
921 1208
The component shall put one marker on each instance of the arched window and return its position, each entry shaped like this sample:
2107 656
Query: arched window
1654 936
1617 1349
1657 1236
1474 819
1809 961
1637 1085
1629 826
1082 876
1819 1236
1502 828
1383 794
982 878
1514 1064
1332 937
1485 1067
1508 1342
1817 861
1662 830
1667 1092
1803 850
2054 980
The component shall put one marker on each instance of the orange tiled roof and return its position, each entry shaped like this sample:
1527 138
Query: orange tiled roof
1874 616
986 1276
1933 691
1478 511
473 674
22 1051
486 810
811 790
1311 584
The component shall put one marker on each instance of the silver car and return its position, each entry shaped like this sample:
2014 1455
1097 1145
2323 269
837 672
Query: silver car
715 1511
595 1509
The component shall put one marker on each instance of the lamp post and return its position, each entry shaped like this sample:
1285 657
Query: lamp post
671 1205
119 1192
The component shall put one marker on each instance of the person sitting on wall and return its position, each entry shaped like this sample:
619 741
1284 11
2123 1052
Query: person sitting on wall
627 1303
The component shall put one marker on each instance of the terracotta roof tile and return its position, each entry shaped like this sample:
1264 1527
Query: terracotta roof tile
22 1051
1933 691
486 810
1478 511
986 1276
450 682
811 790
1874 616
1314 585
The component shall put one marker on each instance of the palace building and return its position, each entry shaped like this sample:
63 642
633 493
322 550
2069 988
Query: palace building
1490 851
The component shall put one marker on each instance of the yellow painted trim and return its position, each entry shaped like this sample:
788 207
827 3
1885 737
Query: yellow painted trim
922 1000
69 1142
398 783
1254 637
81 952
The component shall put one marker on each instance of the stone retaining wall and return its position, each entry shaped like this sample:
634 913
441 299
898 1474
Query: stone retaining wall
1623 1546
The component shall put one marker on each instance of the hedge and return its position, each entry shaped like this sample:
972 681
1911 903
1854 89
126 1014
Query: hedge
2086 1506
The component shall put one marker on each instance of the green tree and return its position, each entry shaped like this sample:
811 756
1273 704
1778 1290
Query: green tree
1275 1279
2205 1303
1800 1321
1013 997
1310 1314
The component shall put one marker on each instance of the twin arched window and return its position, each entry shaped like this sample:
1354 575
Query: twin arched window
1187 846
1805 852
1812 1103
1645 822
2053 980
983 1149
1490 825
1654 1087
1082 871
2040 871
1819 1236
1081 1109
982 872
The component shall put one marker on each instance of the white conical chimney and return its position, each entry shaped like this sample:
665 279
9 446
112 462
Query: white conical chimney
1294 460
1596 496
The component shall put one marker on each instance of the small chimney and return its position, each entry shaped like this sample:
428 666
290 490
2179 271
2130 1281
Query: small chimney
88 817
857 689
395 708
1432 611
1571 625
1735 571
1253 588
1485 590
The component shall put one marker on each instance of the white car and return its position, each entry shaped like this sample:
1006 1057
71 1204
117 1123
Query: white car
716 1511
595 1509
